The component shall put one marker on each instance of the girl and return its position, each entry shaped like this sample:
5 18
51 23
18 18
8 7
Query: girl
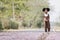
46 19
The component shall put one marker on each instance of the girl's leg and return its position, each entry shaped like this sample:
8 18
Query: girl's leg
45 26
48 29
45 29
48 26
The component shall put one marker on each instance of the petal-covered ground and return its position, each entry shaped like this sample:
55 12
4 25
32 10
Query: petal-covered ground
29 35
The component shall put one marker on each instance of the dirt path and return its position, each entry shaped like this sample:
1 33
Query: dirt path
28 35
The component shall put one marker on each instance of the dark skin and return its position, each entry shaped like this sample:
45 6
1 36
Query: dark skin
47 18
47 23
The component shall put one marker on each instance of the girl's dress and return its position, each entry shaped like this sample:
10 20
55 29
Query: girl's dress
47 22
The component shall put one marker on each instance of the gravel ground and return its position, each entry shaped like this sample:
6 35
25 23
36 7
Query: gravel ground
29 35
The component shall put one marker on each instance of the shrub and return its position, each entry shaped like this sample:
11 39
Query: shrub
24 24
39 24
1 27
13 25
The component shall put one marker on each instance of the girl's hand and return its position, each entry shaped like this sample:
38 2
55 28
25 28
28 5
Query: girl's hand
45 19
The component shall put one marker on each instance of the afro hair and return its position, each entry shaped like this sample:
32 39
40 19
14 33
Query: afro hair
48 9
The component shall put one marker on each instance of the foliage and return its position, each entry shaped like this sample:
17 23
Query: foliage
1 27
29 10
24 24
13 25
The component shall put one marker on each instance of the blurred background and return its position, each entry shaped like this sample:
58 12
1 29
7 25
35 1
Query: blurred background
22 14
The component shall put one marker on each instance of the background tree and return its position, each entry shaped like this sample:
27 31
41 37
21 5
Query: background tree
27 11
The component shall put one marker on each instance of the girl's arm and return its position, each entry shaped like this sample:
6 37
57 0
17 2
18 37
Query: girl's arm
48 17
45 18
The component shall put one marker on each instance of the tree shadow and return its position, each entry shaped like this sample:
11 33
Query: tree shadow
43 36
